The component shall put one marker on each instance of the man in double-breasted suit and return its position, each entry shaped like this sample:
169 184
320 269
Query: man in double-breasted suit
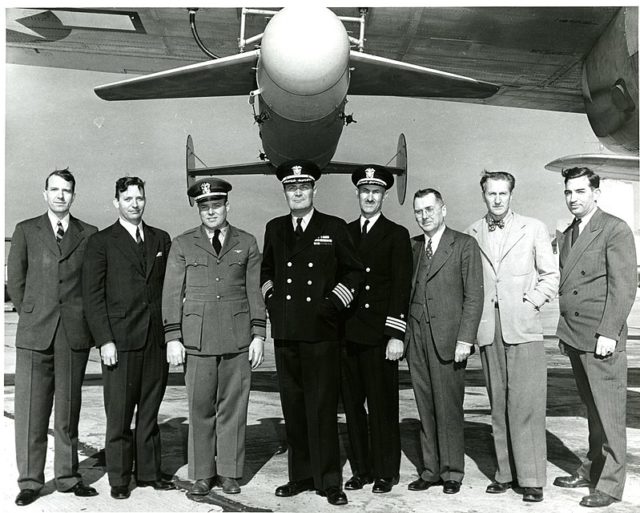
520 275
214 313
310 275
52 339
374 336
444 313
598 285
122 281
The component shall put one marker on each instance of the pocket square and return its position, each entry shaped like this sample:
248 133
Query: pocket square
159 254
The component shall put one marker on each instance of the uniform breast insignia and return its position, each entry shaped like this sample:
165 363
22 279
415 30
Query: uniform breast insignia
238 250
323 240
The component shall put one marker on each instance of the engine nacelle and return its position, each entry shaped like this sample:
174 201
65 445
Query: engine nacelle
610 84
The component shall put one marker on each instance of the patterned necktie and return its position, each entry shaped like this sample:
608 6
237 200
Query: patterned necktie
299 230
59 232
139 240
429 250
215 242
365 227
493 224
575 230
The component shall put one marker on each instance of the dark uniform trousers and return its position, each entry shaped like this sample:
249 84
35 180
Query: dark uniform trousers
58 371
439 390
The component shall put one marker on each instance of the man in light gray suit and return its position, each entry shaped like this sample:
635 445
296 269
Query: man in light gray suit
598 285
520 275
52 341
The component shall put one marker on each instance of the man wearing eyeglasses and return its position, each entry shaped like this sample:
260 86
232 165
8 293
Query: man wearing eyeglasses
310 275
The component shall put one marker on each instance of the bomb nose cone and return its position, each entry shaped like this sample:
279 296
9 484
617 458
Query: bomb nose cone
305 49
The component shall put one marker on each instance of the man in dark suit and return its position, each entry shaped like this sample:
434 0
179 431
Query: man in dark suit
598 284
310 275
214 313
122 281
52 340
374 335
444 314
520 276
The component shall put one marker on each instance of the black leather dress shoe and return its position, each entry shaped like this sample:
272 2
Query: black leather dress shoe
572 481
81 490
334 495
499 487
158 484
294 488
420 484
120 492
382 485
357 482
597 500
26 496
451 487
228 484
202 486
532 494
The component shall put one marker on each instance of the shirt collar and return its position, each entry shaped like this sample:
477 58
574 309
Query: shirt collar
372 221
223 231
53 219
435 240
132 228
585 219
305 219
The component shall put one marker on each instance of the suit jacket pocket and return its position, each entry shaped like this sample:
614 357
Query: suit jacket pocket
242 325
192 316
197 271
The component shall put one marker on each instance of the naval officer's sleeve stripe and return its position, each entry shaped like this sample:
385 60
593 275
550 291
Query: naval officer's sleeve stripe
259 323
266 287
174 326
343 293
397 324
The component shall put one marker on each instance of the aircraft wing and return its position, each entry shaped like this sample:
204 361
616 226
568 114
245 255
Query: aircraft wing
619 167
377 76
535 54
227 76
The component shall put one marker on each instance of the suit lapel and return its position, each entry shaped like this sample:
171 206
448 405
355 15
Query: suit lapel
314 228
151 244
202 241
126 245
517 230
589 233
418 251
230 241
72 238
481 234
47 236
442 253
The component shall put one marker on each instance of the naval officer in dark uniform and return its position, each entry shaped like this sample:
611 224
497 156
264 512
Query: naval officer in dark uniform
374 334
310 275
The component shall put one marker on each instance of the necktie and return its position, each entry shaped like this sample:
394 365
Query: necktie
365 227
575 230
59 232
493 224
429 250
139 240
299 230
215 242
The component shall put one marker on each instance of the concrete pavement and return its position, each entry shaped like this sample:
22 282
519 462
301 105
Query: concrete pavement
266 465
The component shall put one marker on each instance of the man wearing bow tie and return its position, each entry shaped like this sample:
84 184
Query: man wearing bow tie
520 276
598 285
214 322
122 280
444 312
52 340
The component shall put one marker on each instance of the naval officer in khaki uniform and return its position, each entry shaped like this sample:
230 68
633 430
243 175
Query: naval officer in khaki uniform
214 320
